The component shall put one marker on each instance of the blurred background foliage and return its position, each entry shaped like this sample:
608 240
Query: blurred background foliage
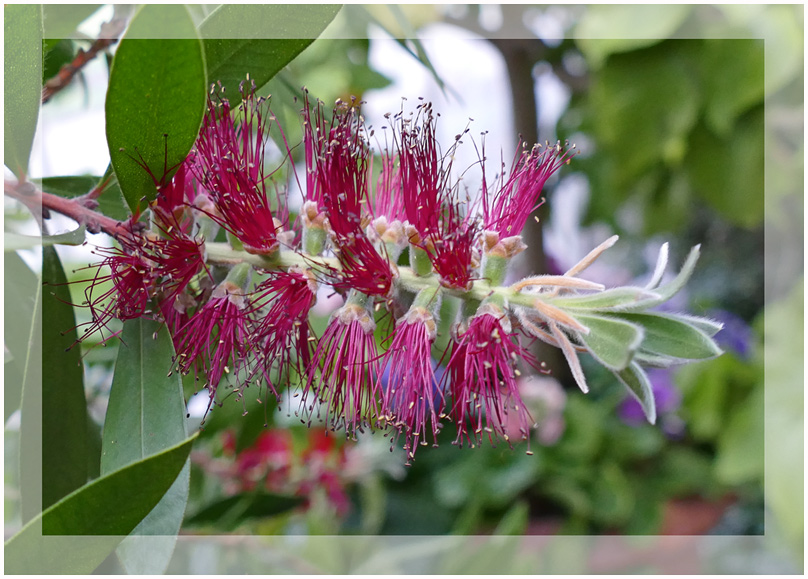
683 118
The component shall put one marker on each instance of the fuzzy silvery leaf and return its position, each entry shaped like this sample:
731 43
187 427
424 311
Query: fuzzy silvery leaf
610 300
611 341
636 380
670 289
673 337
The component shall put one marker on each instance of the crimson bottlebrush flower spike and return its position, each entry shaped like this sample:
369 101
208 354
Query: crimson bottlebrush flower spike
506 209
438 222
341 167
413 401
229 163
215 339
343 373
282 335
482 373
352 237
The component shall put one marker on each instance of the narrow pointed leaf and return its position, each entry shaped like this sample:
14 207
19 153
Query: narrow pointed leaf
650 360
659 270
156 99
610 300
30 335
22 69
640 387
64 406
571 356
111 505
259 40
670 336
611 341
706 325
670 289
145 415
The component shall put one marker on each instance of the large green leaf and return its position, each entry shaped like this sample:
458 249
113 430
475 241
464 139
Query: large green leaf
23 83
259 40
112 506
156 99
30 335
145 415
146 411
64 407
611 341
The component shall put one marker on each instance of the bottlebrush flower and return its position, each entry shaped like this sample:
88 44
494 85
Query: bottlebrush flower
483 382
438 223
507 208
412 400
170 208
229 163
347 362
215 338
282 334
130 275
340 165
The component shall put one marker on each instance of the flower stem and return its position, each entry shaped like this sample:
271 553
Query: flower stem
222 254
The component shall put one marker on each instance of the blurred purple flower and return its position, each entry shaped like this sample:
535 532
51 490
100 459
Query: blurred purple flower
666 395
736 335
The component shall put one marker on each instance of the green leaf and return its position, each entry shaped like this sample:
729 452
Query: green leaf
610 300
64 407
611 341
606 29
259 40
668 290
110 202
145 415
670 336
706 325
23 83
14 241
148 549
30 336
156 99
638 384
20 299
146 411
110 505
230 512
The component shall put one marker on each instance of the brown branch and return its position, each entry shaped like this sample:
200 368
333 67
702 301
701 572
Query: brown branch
110 32
41 203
